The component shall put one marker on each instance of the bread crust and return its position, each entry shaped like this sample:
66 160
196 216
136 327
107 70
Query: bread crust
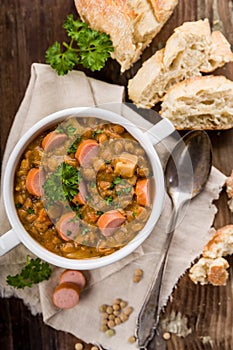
162 9
131 24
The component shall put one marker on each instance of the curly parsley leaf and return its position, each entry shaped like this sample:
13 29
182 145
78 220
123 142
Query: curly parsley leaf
94 49
62 62
62 185
89 47
33 272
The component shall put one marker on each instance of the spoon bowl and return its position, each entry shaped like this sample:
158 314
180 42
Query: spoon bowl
187 170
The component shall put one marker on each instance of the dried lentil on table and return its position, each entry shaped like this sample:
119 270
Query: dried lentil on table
113 315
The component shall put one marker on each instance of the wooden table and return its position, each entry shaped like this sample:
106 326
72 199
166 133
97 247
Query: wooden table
26 30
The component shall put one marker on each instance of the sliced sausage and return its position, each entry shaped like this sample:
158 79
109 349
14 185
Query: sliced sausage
68 226
73 276
86 150
53 140
80 198
142 192
66 295
110 221
33 182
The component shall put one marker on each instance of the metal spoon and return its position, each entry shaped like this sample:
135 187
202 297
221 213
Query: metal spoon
186 174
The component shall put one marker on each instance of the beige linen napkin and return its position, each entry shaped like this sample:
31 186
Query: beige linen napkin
47 93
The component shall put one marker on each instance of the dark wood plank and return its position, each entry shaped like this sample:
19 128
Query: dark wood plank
26 31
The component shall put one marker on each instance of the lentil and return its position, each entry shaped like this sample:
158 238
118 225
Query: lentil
123 317
116 312
123 304
138 272
78 346
137 279
117 301
110 332
128 310
116 307
132 339
103 308
117 320
166 336
104 328
109 310
111 324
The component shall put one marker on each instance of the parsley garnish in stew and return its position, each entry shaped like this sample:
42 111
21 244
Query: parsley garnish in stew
30 211
73 147
62 184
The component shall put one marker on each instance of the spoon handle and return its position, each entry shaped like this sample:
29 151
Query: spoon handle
149 314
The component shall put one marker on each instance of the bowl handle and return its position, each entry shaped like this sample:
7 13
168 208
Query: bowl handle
160 131
8 241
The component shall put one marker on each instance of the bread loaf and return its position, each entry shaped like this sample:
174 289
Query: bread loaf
131 24
211 267
190 50
204 102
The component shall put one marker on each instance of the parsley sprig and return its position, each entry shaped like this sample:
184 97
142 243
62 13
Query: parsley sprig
34 271
62 184
87 46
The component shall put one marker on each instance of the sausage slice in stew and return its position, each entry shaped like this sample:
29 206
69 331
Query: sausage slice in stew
68 226
53 140
33 182
86 150
110 221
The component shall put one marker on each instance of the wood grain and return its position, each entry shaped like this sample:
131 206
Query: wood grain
26 30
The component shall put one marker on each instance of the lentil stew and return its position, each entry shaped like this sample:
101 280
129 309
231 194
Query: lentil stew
82 189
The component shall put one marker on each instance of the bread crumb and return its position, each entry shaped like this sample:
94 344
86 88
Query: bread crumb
166 336
229 191
177 324
211 268
78 346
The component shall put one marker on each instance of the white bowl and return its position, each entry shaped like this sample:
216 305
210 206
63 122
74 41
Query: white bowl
18 234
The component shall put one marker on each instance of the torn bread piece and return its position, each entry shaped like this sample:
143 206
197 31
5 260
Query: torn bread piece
204 102
190 50
212 271
229 191
188 47
131 24
220 53
211 267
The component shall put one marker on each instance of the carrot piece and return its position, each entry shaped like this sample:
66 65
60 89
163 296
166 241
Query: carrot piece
142 192
33 182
